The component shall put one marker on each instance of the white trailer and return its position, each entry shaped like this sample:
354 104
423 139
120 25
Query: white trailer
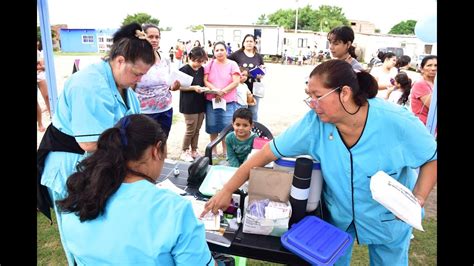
270 37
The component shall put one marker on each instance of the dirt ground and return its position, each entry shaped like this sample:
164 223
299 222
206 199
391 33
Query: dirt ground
283 105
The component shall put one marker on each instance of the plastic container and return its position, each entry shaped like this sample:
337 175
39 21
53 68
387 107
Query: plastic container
316 185
316 241
215 179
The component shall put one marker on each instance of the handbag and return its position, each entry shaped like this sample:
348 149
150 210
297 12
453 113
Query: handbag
258 89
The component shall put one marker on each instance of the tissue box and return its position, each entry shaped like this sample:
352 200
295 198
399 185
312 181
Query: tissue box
316 241
271 184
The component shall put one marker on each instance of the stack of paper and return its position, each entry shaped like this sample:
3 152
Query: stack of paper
210 221
167 184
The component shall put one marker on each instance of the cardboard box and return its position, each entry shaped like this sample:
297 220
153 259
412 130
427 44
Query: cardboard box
271 184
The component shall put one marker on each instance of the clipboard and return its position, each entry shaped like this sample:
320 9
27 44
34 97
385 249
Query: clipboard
256 71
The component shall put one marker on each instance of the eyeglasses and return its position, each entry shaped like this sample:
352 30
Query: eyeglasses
314 103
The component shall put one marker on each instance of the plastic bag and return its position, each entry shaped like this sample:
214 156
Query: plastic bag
258 89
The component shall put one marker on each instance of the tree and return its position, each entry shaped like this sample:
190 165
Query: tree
195 28
140 18
38 33
404 27
323 19
262 20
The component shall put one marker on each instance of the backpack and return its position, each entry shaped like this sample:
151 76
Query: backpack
197 171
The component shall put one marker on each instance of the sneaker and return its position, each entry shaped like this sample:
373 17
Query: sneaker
195 154
186 156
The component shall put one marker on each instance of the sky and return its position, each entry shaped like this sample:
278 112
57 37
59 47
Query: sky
110 13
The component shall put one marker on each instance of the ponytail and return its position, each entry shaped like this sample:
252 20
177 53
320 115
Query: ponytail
97 178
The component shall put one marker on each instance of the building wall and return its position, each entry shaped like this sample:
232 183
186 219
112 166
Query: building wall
271 41
78 40
369 43
361 26
104 39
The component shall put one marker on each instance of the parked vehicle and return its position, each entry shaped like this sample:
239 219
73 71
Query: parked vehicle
416 62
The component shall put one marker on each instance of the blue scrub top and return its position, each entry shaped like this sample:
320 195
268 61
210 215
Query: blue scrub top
141 225
393 140
89 104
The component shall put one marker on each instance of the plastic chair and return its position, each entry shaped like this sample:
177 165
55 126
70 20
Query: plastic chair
259 129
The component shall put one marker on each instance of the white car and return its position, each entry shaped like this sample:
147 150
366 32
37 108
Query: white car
416 63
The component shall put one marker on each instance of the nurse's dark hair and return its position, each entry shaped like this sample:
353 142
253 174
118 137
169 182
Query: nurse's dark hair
100 175
337 73
130 42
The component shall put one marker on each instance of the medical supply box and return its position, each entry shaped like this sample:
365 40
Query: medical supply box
269 184
316 241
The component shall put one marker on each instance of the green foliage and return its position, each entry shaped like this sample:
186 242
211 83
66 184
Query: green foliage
404 27
140 18
322 19
262 20
195 28
284 18
38 33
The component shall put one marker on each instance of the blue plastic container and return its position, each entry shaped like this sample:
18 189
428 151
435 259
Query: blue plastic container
316 241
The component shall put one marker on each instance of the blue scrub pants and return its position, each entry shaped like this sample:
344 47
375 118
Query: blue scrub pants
55 196
394 253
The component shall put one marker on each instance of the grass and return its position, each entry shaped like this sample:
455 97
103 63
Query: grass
422 249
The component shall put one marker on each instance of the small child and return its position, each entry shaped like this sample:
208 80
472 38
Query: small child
401 90
244 96
240 141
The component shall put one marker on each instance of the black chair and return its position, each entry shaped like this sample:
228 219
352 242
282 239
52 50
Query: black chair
259 129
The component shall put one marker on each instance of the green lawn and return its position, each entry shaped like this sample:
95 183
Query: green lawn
422 250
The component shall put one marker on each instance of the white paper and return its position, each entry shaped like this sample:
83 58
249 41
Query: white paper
397 198
167 184
182 77
221 104
210 221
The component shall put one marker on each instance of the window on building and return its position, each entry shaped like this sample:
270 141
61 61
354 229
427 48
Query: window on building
219 35
110 39
302 42
237 34
101 39
88 39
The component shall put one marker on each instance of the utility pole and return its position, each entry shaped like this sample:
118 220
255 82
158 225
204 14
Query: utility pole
296 20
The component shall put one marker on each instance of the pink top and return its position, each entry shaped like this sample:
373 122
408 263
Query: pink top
220 75
420 89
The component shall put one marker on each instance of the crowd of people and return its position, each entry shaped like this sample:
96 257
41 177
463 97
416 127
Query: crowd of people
105 147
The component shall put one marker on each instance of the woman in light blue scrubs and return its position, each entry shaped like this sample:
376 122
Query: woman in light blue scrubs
115 215
93 99
354 135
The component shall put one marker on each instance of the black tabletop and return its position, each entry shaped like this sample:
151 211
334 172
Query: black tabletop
260 247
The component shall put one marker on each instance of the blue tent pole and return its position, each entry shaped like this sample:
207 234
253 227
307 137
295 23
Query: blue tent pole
47 43
432 120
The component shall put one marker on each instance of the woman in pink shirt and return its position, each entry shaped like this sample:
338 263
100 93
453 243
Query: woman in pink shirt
221 75
422 89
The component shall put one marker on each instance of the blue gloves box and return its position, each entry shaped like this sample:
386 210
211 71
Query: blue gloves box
316 241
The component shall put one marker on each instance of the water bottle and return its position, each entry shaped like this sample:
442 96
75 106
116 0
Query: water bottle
300 189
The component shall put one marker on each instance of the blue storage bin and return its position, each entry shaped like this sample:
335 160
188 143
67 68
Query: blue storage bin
316 241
